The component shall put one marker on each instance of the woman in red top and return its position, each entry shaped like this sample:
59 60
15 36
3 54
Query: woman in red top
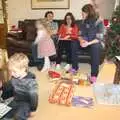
68 31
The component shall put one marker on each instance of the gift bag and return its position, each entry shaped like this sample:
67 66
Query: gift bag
3 58
3 65
62 94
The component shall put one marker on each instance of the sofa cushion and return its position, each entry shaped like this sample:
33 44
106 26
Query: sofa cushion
19 43
29 30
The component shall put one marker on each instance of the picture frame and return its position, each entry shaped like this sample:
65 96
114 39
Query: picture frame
50 4
0 5
1 17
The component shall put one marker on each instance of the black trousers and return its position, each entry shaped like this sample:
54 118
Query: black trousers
94 51
35 61
63 45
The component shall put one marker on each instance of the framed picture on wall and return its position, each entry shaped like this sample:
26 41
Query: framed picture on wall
1 17
0 4
50 4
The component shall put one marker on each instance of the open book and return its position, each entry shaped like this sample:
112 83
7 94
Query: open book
118 57
4 109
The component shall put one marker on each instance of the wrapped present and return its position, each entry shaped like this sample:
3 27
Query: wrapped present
3 58
54 76
4 76
81 79
62 94
79 101
66 75
66 96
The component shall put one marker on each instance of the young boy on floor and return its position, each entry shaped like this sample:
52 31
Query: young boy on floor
22 86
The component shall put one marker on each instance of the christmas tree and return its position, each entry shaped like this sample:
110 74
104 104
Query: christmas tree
113 36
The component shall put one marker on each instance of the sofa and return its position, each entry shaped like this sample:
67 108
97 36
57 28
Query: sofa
22 42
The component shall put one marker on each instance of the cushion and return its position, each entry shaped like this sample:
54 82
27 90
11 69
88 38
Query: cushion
30 30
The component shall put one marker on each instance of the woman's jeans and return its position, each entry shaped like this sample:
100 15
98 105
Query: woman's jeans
94 51
63 45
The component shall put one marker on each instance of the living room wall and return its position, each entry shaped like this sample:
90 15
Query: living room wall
21 9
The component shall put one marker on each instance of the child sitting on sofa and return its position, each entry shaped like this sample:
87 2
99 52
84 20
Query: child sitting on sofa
22 86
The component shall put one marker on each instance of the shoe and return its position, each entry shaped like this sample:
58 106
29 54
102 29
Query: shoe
45 68
73 71
40 67
67 67
58 67
93 79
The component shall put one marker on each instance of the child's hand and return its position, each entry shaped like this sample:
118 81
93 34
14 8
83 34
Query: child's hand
35 43
67 37
1 84
32 114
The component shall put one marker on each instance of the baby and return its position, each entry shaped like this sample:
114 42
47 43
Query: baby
22 86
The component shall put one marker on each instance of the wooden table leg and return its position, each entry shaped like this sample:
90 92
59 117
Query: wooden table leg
117 74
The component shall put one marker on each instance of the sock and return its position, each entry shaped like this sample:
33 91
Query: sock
46 64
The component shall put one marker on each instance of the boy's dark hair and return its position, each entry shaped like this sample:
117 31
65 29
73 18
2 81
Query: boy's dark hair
89 9
48 12
72 18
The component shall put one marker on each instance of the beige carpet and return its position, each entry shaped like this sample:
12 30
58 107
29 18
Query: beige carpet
48 111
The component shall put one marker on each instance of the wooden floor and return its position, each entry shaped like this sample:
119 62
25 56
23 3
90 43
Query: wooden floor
48 111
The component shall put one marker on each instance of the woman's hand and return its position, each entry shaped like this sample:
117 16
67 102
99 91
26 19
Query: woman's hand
85 44
1 84
32 114
82 42
66 37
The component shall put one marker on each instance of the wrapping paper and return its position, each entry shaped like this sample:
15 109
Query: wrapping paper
54 74
62 94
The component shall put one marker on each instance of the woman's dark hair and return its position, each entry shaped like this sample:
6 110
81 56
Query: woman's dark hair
89 9
48 12
72 18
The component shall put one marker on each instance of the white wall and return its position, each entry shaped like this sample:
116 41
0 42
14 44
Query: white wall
21 9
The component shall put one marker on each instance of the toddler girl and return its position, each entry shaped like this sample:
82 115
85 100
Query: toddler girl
45 45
